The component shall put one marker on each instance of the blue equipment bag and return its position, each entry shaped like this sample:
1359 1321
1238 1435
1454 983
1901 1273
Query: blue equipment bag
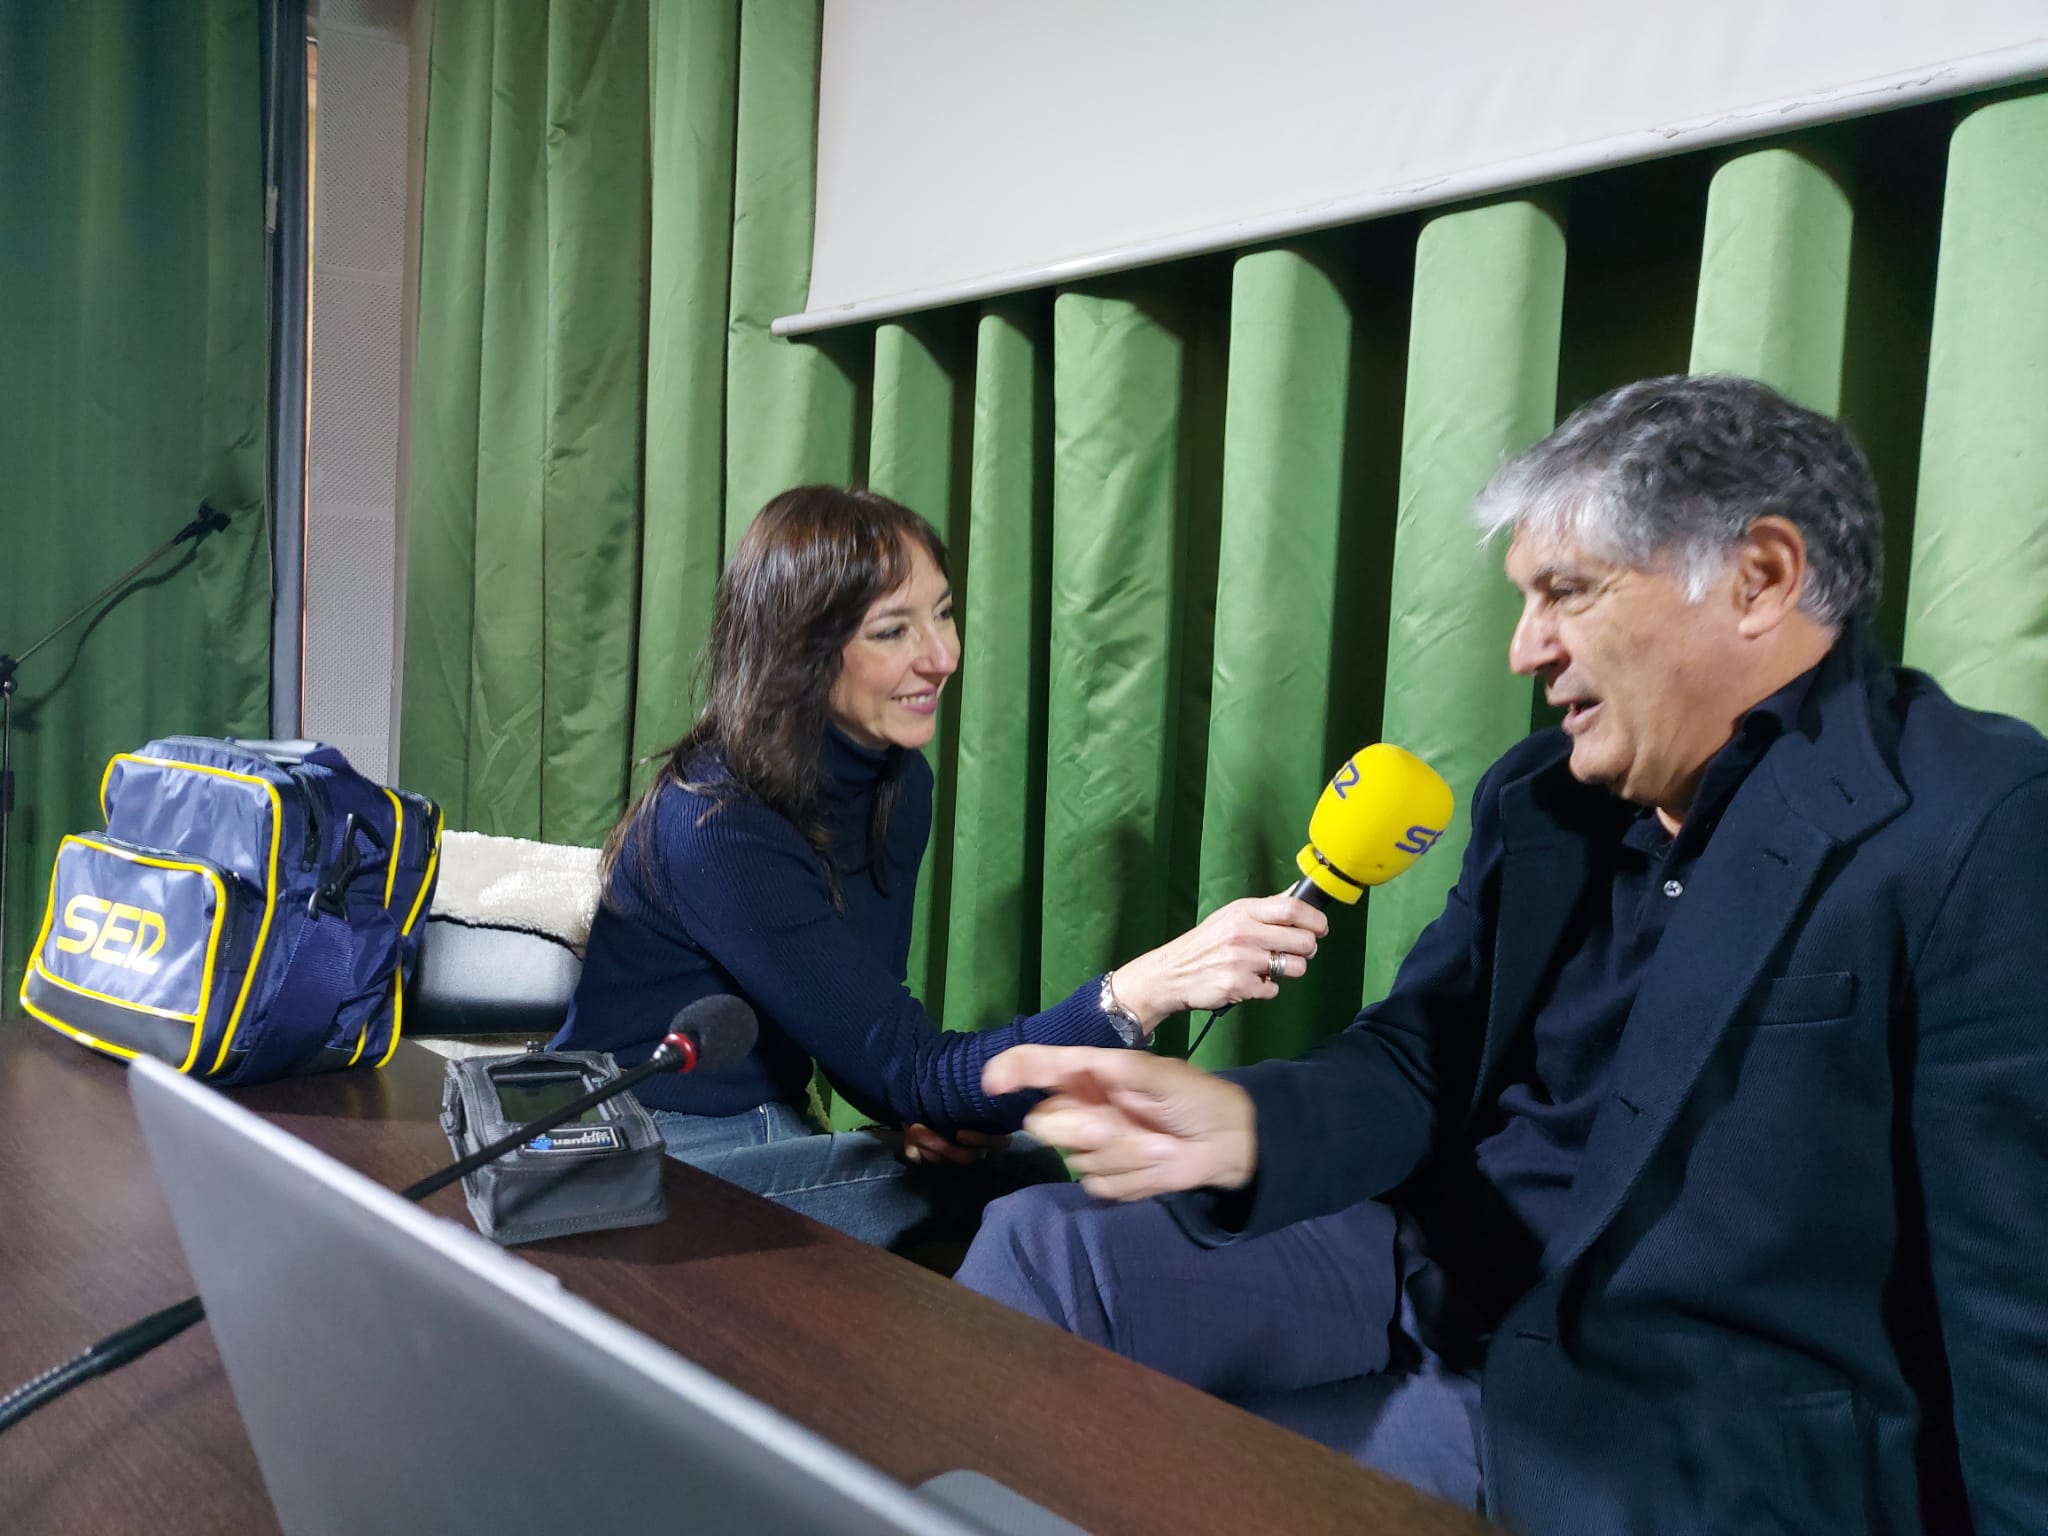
251 912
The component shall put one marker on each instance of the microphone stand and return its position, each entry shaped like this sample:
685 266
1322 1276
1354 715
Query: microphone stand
208 521
676 1053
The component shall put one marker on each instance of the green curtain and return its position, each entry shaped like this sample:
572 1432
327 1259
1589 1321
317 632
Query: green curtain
1482 385
1283 513
919 453
595 169
526 501
992 922
132 274
1136 390
1310 449
1209 520
1774 275
1978 612
693 98
795 410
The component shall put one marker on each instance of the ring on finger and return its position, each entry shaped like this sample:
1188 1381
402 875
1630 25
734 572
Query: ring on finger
1276 967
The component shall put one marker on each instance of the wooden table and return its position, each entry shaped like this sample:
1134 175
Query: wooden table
896 1364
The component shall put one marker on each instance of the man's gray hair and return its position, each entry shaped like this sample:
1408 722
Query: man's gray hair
1670 473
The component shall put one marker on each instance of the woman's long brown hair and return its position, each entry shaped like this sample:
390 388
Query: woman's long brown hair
805 573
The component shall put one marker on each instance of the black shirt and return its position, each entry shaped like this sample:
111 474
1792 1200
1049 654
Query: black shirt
1545 1114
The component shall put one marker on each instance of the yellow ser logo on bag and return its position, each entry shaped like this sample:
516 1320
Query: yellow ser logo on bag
113 933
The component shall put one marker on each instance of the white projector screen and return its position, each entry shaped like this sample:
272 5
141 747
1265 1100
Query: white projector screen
976 147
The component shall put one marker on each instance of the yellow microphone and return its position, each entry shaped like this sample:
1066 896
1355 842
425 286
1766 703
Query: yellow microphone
1383 810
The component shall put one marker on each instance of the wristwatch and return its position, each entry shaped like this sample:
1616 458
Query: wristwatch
1121 1019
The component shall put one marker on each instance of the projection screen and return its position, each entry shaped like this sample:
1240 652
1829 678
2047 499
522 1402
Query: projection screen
976 147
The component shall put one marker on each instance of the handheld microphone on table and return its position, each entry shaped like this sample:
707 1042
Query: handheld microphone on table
1383 810
709 1035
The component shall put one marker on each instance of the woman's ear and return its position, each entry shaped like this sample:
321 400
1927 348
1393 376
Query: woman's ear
1770 575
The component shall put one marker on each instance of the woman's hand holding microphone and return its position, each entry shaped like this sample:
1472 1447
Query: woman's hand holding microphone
1238 952
1136 1124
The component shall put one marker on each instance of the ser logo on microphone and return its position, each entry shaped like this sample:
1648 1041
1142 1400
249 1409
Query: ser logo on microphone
1347 779
1419 839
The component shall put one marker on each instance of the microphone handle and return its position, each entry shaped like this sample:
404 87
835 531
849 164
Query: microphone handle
675 1051
1303 889
1307 890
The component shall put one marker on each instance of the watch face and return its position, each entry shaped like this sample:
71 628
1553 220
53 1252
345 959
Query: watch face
1121 1019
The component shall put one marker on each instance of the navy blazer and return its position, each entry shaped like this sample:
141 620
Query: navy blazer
1803 1284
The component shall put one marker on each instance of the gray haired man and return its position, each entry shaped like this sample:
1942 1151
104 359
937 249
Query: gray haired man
1715 1104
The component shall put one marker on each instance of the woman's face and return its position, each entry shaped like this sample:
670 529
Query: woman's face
890 674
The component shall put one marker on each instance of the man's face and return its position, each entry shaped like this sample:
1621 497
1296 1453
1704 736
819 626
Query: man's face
1642 674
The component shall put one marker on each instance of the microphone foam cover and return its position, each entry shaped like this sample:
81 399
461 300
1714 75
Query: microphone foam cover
723 1027
1382 812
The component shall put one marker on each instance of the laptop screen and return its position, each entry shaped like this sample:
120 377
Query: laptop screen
396 1372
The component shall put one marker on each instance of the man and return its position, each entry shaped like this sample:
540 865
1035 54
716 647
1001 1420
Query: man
1716 1101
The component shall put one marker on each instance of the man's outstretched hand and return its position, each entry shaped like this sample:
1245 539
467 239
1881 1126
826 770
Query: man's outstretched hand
1133 1124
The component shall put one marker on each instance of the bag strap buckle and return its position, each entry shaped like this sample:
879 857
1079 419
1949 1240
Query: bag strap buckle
331 895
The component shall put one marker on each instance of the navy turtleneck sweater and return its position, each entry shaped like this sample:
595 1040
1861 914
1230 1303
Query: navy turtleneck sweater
730 898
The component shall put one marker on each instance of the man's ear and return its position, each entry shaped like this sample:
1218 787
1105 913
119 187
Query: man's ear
1770 573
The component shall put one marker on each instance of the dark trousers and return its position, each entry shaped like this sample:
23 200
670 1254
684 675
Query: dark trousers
1301 1326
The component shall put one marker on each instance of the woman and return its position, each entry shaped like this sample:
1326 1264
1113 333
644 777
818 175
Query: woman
774 857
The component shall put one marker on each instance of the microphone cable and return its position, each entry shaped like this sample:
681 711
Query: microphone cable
111 1353
139 1338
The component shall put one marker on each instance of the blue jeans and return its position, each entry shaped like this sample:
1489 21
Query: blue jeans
857 1181
1310 1326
